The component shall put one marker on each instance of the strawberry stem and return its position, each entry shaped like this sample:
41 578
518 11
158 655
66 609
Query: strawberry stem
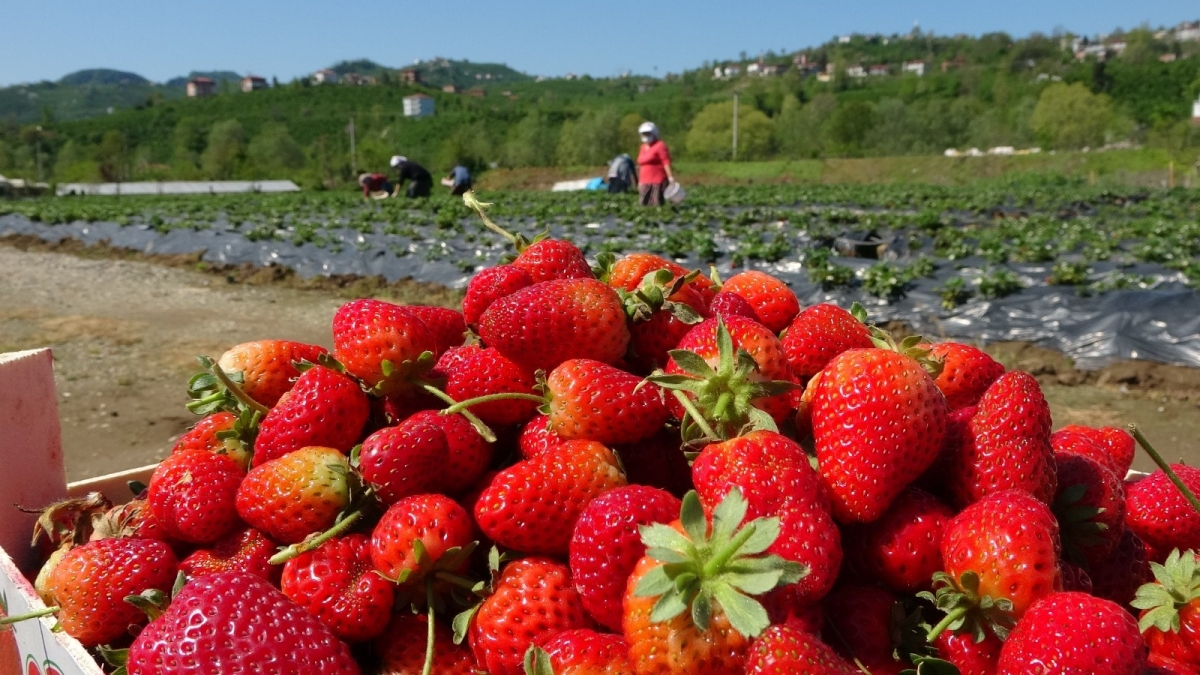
477 206
722 556
461 406
234 389
483 429
1166 468
951 616
287 553
697 418
429 635
35 614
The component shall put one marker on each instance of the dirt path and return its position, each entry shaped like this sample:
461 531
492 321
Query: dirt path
125 334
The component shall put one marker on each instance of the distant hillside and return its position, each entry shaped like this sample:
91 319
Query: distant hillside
214 75
359 66
101 76
463 74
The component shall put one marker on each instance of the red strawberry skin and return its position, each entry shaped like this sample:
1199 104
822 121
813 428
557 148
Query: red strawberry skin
203 436
533 505
902 549
550 322
1011 541
468 455
820 333
630 269
268 366
1074 633
658 461
725 305
893 435
296 495
193 495
774 303
1118 576
91 582
401 648
404 460
474 371
551 259
368 332
245 550
337 583
533 601
438 521
970 657
1103 491
784 649
445 325
594 401
196 635
490 285
1006 445
584 651
861 616
324 408
606 545
967 372
1110 446
1160 515
536 437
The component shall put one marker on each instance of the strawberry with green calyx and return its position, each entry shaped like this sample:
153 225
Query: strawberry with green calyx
981 617
1090 507
213 390
543 259
369 333
580 652
719 390
967 372
402 648
1162 509
661 310
266 369
1170 616
404 460
325 408
473 372
689 604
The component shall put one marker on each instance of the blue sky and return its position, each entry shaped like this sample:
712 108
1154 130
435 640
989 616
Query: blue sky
159 40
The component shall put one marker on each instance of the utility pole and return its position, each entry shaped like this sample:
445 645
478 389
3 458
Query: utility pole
37 145
353 152
735 107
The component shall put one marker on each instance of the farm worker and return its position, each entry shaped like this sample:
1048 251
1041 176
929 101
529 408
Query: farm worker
622 174
420 182
458 180
373 183
654 166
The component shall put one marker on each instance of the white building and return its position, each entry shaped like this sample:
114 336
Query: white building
418 105
856 71
325 76
915 67
1196 111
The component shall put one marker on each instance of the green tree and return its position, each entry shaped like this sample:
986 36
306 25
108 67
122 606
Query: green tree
274 149
112 156
188 140
798 129
591 140
470 146
1141 47
849 126
711 135
531 142
627 133
225 149
1069 116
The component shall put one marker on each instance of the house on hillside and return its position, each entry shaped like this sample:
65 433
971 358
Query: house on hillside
954 63
1169 57
450 89
878 70
856 71
418 105
475 92
325 76
409 76
1196 111
253 83
914 67
1188 31
357 80
199 87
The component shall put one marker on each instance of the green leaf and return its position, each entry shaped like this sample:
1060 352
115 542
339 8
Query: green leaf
702 610
724 343
858 312
669 606
928 665
728 515
692 363
691 516
753 583
537 661
462 622
766 531
654 583
660 536
745 614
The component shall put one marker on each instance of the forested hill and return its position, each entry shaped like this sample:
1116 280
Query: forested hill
854 96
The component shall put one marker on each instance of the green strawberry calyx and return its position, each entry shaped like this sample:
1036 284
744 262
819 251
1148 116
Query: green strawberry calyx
721 402
715 566
1176 584
966 610
653 294
915 347
1078 524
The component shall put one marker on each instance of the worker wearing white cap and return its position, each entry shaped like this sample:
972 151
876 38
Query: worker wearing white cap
419 180
654 166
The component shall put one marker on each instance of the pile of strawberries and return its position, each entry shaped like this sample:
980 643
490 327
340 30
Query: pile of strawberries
630 469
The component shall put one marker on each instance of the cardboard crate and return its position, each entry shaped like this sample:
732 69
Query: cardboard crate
32 476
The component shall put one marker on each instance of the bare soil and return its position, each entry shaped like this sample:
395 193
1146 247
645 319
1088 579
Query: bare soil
125 328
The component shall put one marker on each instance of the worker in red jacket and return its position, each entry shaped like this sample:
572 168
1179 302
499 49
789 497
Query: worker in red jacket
374 183
654 166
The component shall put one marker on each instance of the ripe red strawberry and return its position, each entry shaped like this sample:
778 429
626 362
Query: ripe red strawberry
1160 515
808 535
607 544
192 494
1010 541
203 436
404 460
445 325
468 455
550 322
585 652
551 259
268 366
895 432
1170 604
437 521
862 618
91 581
967 372
1157 664
324 408
1006 445
488 286
402 646
298 494
766 467
1074 633
366 333
536 437
1118 576
726 304
246 550
1075 578
901 550
337 583
820 333
1090 506
532 506
533 601
273 633
657 327
1110 446
968 655
774 303
785 609
475 372
594 401
784 649
658 461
